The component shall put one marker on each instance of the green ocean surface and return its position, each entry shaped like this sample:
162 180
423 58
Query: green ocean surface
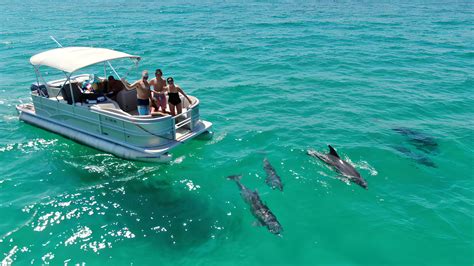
275 79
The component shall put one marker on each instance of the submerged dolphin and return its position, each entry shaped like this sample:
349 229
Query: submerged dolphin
264 215
258 209
420 140
245 192
272 180
343 167
418 157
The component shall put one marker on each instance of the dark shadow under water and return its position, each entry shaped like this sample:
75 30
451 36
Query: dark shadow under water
418 157
420 140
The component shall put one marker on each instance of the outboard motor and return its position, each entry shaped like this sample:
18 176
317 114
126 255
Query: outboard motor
40 88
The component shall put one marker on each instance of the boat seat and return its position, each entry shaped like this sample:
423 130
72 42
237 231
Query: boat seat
127 100
110 106
76 93
53 91
185 102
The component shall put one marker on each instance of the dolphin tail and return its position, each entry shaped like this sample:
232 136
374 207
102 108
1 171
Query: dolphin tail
311 153
235 177
332 151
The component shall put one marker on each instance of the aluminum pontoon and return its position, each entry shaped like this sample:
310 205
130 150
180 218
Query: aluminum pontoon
110 125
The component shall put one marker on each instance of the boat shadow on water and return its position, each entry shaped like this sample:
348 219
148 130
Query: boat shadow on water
116 214
130 205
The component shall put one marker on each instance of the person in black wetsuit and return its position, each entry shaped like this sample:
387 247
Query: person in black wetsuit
173 97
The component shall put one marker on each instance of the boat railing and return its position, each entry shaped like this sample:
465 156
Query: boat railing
166 127
186 121
187 117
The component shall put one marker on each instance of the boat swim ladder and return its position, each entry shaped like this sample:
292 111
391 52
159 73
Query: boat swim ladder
180 124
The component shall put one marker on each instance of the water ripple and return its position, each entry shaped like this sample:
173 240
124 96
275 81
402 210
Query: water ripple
275 79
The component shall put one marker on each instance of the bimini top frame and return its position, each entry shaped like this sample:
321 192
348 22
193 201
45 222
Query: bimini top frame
71 59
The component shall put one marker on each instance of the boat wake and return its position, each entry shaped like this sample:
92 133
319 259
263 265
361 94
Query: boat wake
217 139
30 146
362 165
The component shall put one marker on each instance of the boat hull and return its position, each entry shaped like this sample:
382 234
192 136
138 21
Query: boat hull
122 150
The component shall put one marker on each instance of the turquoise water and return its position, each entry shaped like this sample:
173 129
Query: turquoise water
275 79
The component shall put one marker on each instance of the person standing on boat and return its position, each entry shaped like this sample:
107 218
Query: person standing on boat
143 93
158 85
173 97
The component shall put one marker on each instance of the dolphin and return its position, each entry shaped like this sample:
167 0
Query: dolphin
265 216
245 192
258 209
272 180
420 140
341 166
418 157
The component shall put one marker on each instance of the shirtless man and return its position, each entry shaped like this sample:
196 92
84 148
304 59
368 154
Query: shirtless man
158 92
143 93
173 97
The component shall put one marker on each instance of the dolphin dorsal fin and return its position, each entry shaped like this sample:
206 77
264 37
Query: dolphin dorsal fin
333 152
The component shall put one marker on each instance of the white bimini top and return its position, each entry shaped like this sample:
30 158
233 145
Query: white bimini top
70 59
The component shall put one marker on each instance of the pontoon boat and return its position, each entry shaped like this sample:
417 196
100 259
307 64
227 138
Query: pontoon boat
114 126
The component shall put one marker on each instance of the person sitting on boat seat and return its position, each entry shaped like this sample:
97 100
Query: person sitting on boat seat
91 85
143 93
113 87
173 97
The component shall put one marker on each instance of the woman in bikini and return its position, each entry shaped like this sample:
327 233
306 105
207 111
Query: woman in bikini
173 97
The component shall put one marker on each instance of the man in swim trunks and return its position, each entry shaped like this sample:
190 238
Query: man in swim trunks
143 93
173 97
158 85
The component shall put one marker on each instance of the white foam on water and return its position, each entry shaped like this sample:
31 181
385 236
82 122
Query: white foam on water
47 257
83 233
190 185
178 160
29 146
8 260
362 165
217 139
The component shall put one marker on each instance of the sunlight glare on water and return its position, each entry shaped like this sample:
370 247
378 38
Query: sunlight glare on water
275 79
